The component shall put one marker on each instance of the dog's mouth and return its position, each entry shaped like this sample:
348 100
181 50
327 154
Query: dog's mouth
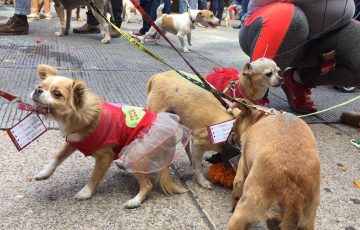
213 24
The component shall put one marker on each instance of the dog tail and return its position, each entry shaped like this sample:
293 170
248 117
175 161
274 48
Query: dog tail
159 10
166 183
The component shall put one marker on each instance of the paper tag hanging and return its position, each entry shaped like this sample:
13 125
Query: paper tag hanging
26 131
219 132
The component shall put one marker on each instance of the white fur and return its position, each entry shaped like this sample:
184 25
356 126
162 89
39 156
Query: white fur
133 203
47 171
182 24
127 8
84 194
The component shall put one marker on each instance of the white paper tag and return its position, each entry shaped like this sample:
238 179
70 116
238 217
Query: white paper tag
26 131
219 132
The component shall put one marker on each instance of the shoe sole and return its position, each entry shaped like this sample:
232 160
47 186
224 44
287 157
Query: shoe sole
287 94
86 32
16 33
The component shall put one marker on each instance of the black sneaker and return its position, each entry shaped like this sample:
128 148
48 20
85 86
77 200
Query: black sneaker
16 25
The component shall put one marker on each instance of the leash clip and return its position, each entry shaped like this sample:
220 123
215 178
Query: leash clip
270 111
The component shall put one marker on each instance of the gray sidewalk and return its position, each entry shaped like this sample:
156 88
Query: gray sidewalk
119 72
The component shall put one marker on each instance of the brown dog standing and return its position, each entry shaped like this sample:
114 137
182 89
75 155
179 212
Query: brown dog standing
278 177
198 108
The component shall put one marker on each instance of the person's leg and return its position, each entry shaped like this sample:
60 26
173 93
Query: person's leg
182 6
202 5
47 11
116 7
34 9
167 7
278 31
152 13
220 9
347 48
17 24
193 4
146 5
90 27
275 32
214 7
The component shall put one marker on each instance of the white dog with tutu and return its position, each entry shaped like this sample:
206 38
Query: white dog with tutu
142 140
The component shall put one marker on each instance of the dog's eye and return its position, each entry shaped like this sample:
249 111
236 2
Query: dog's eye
269 74
57 94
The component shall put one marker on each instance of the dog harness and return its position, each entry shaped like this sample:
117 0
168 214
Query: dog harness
222 77
118 125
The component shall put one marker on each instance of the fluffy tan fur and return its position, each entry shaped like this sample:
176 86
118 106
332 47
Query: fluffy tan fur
198 108
78 111
278 177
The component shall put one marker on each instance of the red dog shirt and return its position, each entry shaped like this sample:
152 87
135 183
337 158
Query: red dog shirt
118 125
222 77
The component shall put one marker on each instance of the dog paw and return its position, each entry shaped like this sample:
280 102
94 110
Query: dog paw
105 40
84 194
59 33
133 203
204 183
43 175
186 51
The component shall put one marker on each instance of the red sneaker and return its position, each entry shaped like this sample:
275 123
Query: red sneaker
298 95
135 34
149 39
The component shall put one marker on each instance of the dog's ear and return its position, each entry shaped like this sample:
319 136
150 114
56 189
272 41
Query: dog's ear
247 70
200 14
78 91
45 71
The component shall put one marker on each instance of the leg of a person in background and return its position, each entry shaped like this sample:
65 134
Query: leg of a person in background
155 4
47 10
202 5
347 49
193 4
34 9
220 11
214 7
146 5
182 6
167 7
278 31
90 27
244 7
17 24
116 6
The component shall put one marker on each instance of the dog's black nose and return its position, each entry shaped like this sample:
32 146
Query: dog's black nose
38 91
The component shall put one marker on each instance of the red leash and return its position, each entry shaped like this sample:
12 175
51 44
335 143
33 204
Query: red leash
22 105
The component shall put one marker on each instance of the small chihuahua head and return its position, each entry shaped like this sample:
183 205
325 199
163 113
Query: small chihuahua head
68 99
263 71
207 17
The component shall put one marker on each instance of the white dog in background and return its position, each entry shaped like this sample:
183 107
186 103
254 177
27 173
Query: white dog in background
128 7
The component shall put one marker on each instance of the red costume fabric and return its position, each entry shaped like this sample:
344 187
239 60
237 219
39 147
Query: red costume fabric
118 125
222 77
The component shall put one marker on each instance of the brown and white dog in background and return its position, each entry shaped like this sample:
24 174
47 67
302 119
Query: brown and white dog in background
278 176
181 25
198 108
